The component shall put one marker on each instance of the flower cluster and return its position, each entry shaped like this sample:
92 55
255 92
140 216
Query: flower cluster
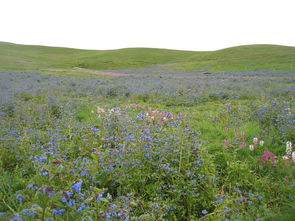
256 141
289 153
161 117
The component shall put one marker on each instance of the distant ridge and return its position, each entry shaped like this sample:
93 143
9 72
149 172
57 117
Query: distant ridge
246 57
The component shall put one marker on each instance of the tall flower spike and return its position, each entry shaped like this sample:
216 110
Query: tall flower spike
225 143
289 148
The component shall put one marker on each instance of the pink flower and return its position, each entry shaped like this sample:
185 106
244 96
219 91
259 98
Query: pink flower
226 143
242 144
236 132
255 139
286 179
268 155
242 133
100 110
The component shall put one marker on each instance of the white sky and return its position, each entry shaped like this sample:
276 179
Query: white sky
181 24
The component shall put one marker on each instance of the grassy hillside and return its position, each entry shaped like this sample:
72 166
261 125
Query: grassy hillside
251 57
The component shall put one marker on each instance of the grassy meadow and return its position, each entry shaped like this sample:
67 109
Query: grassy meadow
147 134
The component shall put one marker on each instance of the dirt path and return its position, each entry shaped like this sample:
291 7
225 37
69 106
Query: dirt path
87 71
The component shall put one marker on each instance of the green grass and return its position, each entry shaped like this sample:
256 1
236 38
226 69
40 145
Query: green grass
249 57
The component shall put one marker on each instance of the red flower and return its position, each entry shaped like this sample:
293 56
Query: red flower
268 155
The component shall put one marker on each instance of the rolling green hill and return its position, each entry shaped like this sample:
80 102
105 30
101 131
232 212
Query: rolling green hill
250 57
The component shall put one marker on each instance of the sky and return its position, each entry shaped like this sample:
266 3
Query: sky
197 25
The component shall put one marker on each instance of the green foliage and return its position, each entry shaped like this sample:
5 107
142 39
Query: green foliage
65 60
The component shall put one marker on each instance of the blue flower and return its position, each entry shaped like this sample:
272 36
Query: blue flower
204 212
16 217
77 186
63 199
81 207
250 202
237 189
108 216
20 198
44 172
3 213
251 194
33 186
40 159
69 194
71 202
259 197
98 198
58 211
140 116
28 212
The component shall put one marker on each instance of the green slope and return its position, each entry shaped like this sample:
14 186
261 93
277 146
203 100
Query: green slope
251 57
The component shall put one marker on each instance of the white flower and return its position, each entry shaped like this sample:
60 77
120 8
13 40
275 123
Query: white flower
293 156
251 147
288 148
261 143
285 157
255 139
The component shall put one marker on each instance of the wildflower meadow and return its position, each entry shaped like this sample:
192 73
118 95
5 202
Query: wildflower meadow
149 144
